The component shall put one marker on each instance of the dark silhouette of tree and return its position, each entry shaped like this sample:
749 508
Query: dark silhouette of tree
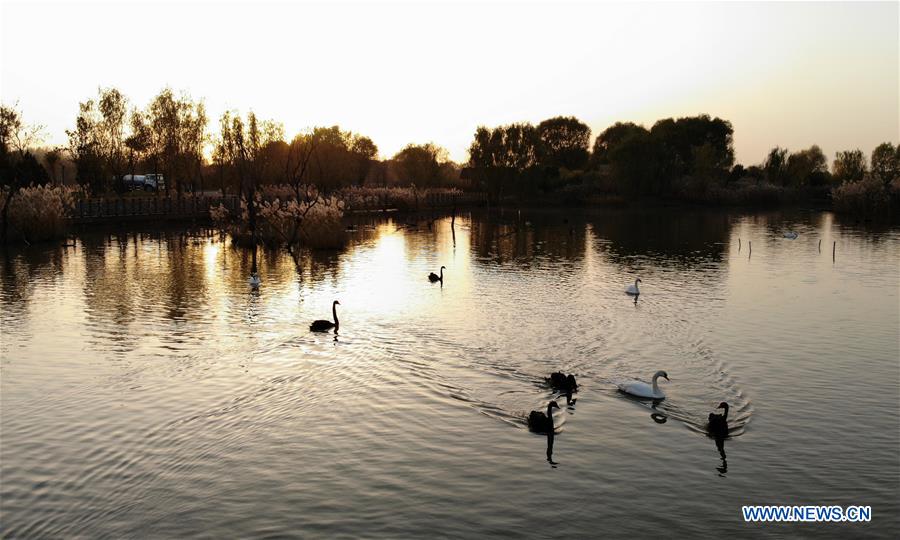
564 143
886 163
18 166
97 144
807 168
634 158
635 162
706 169
138 143
300 153
504 158
52 158
514 146
775 166
849 166
420 164
85 148
679 138
610 138
364 153
648 162
331 158
273 155
112 106
178 133
332 165
241 147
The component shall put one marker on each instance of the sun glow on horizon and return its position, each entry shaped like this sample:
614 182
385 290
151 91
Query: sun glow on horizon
784 74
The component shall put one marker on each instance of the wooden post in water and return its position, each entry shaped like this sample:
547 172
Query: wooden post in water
453 222
739 244
820 245
750 244
833 248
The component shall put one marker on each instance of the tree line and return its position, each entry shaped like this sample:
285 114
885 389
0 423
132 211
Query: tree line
689 157
686 157
111 139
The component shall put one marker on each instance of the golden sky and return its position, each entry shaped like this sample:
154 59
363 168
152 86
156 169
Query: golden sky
784 74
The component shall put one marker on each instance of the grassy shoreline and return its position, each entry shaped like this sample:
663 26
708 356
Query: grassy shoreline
63 200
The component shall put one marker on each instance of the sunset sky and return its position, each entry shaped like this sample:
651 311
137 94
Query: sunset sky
784 74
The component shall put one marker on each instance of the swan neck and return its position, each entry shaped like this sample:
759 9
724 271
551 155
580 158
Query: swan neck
655 385
334 314
442 273
725 414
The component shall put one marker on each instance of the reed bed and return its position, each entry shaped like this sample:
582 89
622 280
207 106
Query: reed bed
868 197
401 198
739 194
314 220
38 213
282 220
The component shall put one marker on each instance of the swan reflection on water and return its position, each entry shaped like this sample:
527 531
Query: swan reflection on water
720 446
642 390
550 449
717 428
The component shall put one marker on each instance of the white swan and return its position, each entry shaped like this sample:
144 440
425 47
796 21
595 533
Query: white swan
254 280
633 289
791 235
644 390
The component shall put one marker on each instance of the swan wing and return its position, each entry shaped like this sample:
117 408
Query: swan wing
321 325
640 389
537 421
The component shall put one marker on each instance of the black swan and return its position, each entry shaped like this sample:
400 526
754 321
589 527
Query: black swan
432 277
561 381
540 422
324 326
718 423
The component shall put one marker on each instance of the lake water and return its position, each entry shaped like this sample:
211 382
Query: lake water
148 391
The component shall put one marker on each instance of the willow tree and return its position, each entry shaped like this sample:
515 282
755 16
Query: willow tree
97 143
177 126
849 166
138 142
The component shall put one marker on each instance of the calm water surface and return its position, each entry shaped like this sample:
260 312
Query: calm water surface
148 391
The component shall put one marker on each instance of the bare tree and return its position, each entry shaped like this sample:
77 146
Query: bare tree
240 148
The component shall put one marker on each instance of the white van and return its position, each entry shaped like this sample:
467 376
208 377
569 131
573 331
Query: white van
134 181
147 182
154 181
